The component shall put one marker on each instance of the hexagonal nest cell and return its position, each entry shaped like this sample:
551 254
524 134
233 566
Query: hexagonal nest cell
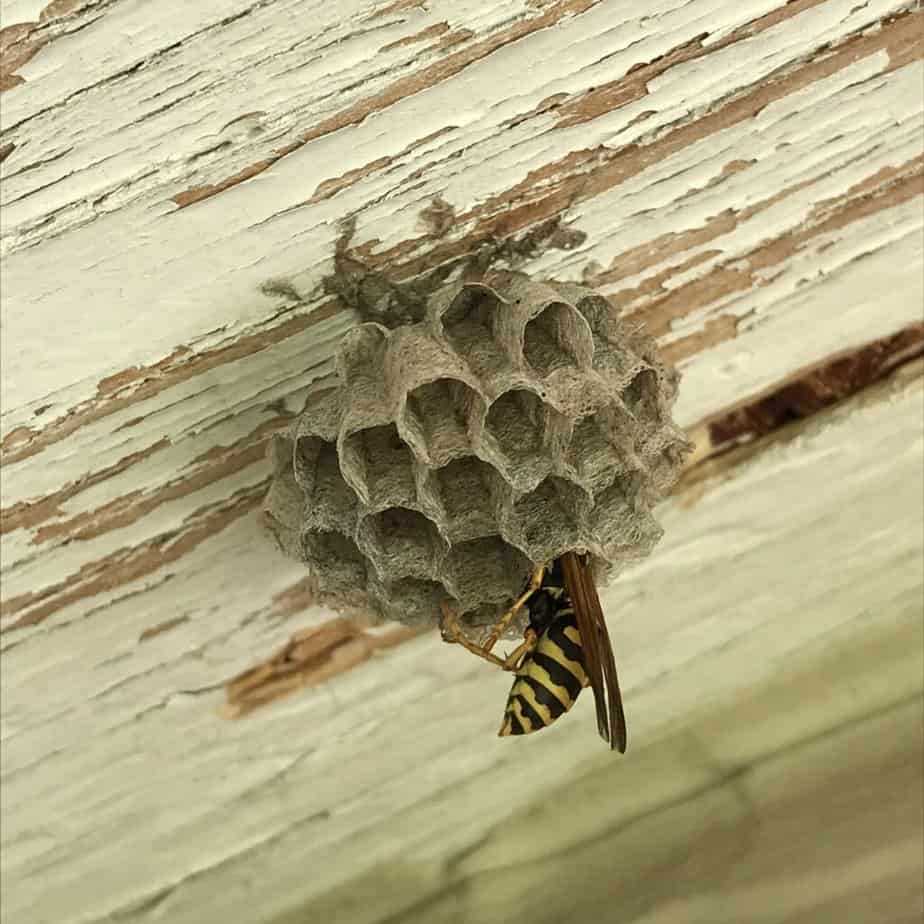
466 491
441 411
469 327
515 424
552 339
539 425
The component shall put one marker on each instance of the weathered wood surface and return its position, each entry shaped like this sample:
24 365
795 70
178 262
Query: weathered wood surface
771 653
748 177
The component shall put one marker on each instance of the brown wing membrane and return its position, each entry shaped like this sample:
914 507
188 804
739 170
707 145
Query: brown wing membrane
598 651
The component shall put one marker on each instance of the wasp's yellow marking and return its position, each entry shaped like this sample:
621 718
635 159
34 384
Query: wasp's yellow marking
550 677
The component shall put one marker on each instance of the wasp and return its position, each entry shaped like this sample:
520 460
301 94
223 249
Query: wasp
565 648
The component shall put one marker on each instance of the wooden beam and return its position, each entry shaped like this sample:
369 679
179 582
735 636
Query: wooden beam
746 182
799 563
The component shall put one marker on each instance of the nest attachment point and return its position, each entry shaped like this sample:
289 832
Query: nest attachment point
518 421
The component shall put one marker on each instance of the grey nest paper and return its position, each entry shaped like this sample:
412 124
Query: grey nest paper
518 421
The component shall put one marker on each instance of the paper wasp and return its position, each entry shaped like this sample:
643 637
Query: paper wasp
565 647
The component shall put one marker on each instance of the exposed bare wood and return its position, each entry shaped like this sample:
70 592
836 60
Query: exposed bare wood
810 390
309 658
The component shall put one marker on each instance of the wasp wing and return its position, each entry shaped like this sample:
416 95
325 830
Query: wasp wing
598 650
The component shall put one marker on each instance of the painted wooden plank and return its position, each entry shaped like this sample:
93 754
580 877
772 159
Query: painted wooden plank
739 816
161 278
174 810
722 230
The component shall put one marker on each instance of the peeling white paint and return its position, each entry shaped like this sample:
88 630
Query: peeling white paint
118 780
423 712
200 268
847 308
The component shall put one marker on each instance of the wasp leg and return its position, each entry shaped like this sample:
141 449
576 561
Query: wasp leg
453 633
501 625
513 660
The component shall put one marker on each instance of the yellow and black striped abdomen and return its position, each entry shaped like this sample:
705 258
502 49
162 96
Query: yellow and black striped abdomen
549 679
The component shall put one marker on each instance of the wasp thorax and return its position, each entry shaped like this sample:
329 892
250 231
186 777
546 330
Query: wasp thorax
519 420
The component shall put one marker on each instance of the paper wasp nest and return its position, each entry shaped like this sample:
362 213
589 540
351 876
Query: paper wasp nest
517 421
